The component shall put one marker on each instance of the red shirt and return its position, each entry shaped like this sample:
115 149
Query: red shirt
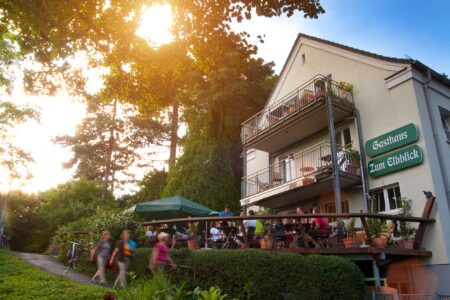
322 224
163 253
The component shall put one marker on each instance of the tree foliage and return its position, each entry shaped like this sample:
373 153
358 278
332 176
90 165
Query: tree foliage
90 144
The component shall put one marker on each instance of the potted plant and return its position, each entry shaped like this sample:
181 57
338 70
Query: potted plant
376 228
354 157
349 241
319 85
405 231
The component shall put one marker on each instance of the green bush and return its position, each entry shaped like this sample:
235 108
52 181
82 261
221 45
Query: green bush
257 274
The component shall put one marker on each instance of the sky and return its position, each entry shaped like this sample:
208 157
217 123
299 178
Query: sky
397 28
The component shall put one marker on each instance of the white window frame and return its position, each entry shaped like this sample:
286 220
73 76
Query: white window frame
445 120
388 210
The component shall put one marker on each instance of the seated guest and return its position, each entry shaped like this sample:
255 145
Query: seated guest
250 226
321 224
217 235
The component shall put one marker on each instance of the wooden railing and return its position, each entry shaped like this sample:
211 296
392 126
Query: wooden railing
364 217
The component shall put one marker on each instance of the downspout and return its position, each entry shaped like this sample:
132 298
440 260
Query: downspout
362 161
435 141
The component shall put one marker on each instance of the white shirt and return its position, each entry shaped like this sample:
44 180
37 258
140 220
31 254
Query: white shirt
216 234
250 223
149 234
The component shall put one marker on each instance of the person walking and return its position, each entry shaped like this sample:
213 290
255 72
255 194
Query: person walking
123 252
160 259
101 253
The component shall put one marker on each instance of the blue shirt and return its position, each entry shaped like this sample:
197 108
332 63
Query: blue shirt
225 214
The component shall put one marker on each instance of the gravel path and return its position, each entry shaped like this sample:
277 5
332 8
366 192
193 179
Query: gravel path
49 265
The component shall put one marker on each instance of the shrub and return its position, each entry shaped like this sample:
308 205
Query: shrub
257 274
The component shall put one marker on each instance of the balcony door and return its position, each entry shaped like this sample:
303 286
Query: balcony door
289 168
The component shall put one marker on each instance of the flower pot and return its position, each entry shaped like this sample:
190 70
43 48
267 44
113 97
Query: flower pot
379 242
193 244
405 244
349 242
352 169
265 244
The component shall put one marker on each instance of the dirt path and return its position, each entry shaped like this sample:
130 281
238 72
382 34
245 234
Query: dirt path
49 265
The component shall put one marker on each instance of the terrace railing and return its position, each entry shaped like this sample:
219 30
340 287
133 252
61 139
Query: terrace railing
316 89
301 167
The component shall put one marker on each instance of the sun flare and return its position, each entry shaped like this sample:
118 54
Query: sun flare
155 24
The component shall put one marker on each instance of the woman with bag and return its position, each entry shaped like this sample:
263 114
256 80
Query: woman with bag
123 251
101 253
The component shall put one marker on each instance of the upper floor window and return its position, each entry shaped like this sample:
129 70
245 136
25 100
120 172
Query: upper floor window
386 199
343 137
445 120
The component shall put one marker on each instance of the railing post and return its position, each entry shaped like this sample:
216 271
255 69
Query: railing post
422 225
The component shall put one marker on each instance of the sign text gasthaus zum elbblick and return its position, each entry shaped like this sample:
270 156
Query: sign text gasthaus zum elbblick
392 140
395 161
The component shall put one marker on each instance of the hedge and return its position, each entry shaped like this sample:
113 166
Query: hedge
257 274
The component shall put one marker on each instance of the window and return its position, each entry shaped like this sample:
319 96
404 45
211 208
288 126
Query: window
386 199
303 58
343 137
445 120
330 208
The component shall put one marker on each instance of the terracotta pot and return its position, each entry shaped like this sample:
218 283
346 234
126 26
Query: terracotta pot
379 242
265 244
349 242
193 244
405 244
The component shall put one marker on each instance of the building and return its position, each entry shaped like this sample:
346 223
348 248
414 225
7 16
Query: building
383 122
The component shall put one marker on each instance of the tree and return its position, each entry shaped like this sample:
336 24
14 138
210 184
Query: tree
150 187
209 170
53 31
107 142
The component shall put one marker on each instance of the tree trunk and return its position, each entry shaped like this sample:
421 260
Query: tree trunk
110 153
174 133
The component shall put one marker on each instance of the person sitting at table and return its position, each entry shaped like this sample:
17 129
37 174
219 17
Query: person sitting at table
250 226
217 235
320 224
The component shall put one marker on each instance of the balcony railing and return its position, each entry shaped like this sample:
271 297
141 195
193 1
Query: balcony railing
316 89
302 167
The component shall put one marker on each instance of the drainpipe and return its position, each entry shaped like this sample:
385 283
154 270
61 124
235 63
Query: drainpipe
362 161
435 141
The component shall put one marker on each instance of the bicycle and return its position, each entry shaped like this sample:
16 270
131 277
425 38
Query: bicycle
74 254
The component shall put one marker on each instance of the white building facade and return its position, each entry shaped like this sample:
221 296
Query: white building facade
386 128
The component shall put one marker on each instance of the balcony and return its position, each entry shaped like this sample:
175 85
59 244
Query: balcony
299 114
304 175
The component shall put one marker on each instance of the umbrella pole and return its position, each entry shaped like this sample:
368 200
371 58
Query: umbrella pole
206 235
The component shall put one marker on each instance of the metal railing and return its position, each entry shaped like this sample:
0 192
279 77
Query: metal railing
316 89
301 167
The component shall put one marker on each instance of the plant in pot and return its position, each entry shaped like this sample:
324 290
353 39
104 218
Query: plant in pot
354 157
377 228
349 241
404 233
345 89
319 85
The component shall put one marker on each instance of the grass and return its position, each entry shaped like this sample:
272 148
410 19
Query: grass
20 280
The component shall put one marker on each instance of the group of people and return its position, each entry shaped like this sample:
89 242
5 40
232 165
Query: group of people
308 229
123 253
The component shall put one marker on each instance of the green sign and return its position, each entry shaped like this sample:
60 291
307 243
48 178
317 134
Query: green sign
395 161
392 140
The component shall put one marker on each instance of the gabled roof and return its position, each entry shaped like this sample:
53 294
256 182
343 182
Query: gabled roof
414 63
